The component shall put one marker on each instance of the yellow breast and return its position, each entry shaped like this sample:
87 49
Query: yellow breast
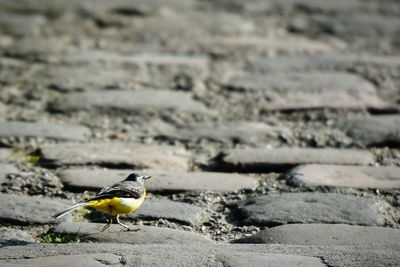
116 205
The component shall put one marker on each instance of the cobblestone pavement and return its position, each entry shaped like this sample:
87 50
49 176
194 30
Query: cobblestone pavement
271 129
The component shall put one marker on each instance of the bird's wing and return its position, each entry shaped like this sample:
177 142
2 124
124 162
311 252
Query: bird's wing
127 189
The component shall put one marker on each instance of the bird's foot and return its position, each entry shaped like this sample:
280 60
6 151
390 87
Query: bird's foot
109 222
132 230
106 227
128 229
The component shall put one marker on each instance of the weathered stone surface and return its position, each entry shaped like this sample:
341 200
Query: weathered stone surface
4 154
3 108
187 47
220 24
387 177
28 210
37 47
64 78
256 44
169 257
4 170
343 100
116 153
152 69
273 260
242 131
153 128
357 24
21 24
326 61
87 260
192 25
258 159
132 8
160 60
124 7
143 235
13 236
362 256
383 130
171 210
224 131
309 208
141 100
206 255
199 181
310 90
263 6
158 70
327 235
305 82
85 179
72 132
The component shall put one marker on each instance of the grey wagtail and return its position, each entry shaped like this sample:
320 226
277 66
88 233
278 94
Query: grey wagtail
121 198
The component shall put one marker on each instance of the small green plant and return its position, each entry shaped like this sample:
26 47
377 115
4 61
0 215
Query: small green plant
34 159
23 156
59 238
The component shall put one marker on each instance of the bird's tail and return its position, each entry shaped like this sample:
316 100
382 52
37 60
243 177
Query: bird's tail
64 212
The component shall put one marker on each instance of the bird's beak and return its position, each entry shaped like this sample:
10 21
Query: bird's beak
146 177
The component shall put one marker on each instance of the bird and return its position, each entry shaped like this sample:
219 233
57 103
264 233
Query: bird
120 198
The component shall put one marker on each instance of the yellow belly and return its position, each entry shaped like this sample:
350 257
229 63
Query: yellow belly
116 205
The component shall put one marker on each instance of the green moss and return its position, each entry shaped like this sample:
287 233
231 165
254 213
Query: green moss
34 159
22 156
59 238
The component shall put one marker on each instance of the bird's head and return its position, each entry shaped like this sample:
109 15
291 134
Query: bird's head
137 178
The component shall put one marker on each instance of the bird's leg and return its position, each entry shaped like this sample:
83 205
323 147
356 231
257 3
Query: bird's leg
123 225
120 223
109 222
